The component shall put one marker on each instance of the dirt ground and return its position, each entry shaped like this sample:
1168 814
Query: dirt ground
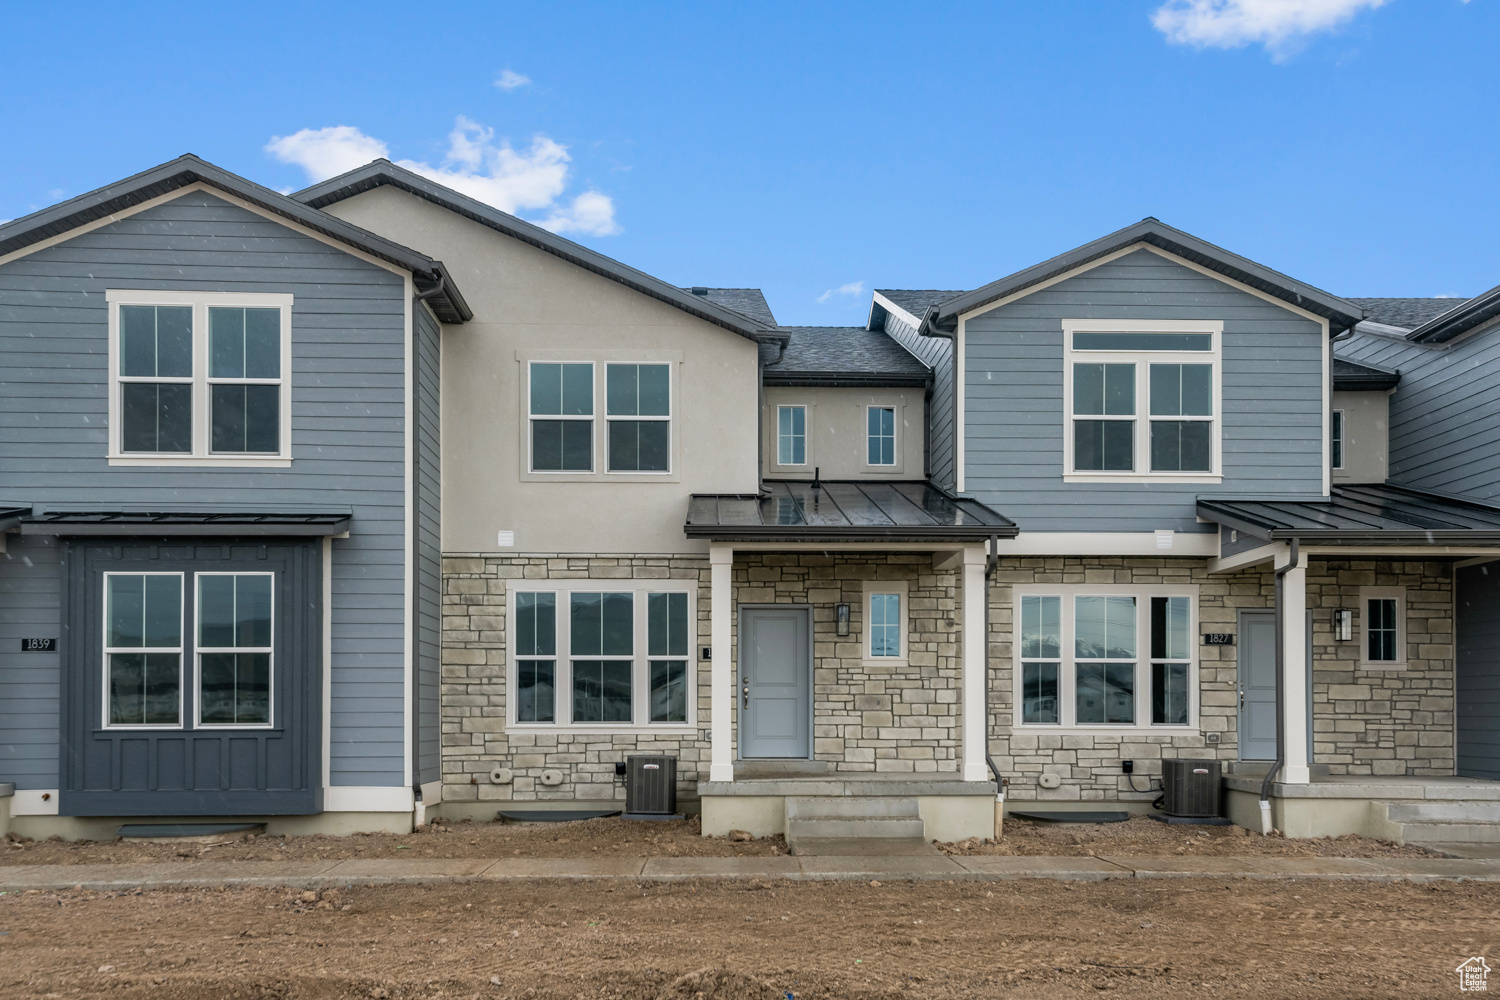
1141 836
592 838
751 939
615 837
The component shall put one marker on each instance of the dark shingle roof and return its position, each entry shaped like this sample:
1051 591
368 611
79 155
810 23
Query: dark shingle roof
745 301
1351 375
916 300
1405 313
850 355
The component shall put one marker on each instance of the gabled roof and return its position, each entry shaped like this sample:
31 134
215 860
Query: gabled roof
915 301
1463 317
383 172
1340 313
1352 376
745 301
1407 313
428 275
843 356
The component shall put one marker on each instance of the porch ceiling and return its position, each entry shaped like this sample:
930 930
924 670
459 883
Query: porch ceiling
844 511
1373 515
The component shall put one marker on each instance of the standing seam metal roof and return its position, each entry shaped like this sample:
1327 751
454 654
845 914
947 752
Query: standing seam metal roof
1373 514
844 511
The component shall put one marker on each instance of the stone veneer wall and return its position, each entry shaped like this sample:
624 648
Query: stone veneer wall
895 718
475 740
1365 721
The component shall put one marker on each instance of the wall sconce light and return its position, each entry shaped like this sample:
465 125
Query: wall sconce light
841 616
1343 624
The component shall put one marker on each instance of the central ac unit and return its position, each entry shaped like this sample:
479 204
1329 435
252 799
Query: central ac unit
651 787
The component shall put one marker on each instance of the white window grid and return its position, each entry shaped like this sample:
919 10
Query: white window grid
788 440
1366 595
884 587
212 380
1336 439
1067 674
198 652
892 437
202 413
179 649
640 677
532 418
1142 361
611 418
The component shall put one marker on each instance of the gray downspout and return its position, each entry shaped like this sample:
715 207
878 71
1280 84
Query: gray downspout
992 560
760 391
1265 786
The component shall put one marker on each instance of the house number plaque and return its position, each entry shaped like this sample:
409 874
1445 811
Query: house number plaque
38 645
1218 638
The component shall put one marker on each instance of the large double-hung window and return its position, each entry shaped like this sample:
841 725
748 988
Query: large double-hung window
199 378
593 654
1141 403
564 402
1104 657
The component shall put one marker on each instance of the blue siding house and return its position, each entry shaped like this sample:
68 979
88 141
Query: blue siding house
220 472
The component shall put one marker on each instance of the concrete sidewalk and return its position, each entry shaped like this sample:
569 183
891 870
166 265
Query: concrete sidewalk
401 871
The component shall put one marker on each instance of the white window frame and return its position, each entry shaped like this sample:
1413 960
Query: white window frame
198 652
1067 673
1142 418
895 461
776 427
640 677
180 650
1338 432
870 589
201 455
591 418
602 391
1366 595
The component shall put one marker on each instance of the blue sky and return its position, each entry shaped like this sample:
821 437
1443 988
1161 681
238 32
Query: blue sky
807 148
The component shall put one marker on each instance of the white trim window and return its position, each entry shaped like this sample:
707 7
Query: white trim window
791 435
593 656
1382 613
235 654
143 649
880 435
638 410
886 622
1105 657
560 398
1142 401
1336 439
199 378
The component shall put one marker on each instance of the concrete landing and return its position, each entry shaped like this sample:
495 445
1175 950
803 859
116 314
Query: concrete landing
863 847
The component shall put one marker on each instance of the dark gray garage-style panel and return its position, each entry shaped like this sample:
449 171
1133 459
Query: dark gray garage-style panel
187 769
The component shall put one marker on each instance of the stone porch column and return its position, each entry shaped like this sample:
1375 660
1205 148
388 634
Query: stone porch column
1294 769
973 677
721 688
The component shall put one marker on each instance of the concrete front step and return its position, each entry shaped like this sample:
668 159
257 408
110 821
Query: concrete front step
839 828
1461 833
1443 811
826 816
1442 821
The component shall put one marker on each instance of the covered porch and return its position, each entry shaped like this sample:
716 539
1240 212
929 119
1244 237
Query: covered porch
847 693
1363 698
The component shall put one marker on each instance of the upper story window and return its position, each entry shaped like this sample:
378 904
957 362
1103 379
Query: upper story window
594 653
880 435
791 435
1141 404
199 378
1115 657
1336 439
563 403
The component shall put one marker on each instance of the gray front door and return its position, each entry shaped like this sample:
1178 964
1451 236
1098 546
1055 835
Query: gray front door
1257 677
775 682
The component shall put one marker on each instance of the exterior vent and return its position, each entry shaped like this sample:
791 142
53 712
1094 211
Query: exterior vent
1191 788
650 787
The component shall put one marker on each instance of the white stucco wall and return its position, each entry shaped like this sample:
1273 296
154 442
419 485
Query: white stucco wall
532 305
1366 436
836 432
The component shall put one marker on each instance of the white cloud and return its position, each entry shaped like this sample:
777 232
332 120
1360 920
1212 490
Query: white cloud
327 152
509 80
851 288
1277 24
533 179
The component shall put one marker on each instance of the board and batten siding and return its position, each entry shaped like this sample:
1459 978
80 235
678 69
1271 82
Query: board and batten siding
936 353
1445 413
429 531
1272 424
348 424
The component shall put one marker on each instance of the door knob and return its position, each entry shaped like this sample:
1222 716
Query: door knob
747 696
